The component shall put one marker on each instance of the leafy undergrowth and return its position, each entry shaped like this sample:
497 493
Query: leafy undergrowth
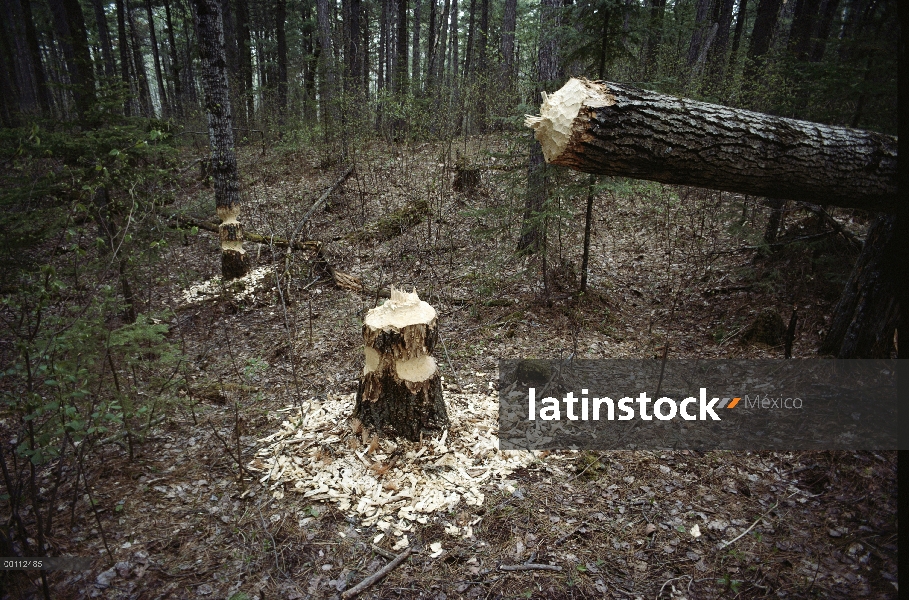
186 517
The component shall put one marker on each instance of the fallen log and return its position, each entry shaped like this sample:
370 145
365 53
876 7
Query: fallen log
609 128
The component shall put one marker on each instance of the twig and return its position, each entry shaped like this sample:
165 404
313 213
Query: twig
732 541
382 552
369 581
530 567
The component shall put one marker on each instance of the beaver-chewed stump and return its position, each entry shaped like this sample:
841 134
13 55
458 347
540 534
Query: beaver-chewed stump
400 393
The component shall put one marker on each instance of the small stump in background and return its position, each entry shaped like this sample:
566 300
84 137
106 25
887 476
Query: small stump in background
400 393
467 177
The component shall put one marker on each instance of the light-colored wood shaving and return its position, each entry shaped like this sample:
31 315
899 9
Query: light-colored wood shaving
319 454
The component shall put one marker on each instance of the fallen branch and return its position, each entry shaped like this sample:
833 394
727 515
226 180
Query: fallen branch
342 280
369 581
382 552
530 567
829 220
321 201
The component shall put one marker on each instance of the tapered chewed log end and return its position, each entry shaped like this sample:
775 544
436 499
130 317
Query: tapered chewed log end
556 124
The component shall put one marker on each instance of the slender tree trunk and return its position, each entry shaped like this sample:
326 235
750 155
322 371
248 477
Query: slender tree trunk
430 46
328 79
353 42
210 29
819 44
177 98
509 21
383 45
471 37
129 106
716 56
767 14
454 63
442 52
10 102
737 36
415 51
107 51
280 18
34 50
548 72
138 66
655 36
162 90
244 49
69 23
620 130
401 83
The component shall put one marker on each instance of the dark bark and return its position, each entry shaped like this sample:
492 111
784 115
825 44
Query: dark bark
739 27
469 51
138 66
107 51
353 41
177 98
767 14
34 51
401 50
11 100
803 26
716 56
655 35
415 48
702 24
509 22
442 51
247 112
868 310
383 46
819 44
153 38
280 18
548 71
431 45
645 135
454 62
129 107
210 30
69 23
777 208
327 94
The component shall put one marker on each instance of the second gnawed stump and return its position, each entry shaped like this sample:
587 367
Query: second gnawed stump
400 393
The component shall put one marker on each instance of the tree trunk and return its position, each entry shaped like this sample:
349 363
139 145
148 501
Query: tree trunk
767 13
401 50
162 90
129 106
326 67
442 50
702 25
280 18
453 62
802 30
107 51
716 57
34 50
509 22
868 311
400 393
548 70
655 34
177 98
69 23
138 66
737 36
819 43
244 51
383 42
210 29
430 45
415 48
613 129
471 37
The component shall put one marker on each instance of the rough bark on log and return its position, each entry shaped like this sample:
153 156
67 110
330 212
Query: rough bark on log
400 393
609 128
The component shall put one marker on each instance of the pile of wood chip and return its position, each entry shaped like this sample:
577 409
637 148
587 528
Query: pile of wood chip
243 288
323 454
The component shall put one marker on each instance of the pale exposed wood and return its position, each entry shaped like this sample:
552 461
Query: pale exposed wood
621 130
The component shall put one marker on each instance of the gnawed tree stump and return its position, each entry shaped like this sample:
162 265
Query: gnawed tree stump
400 393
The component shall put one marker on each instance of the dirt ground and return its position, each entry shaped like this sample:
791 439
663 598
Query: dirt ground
676 267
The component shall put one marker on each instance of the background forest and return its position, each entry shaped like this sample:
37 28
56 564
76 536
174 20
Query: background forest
378 143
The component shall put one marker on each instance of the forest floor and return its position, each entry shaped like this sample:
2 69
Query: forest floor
682 267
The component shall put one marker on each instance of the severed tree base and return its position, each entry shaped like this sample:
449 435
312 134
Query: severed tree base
400 393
